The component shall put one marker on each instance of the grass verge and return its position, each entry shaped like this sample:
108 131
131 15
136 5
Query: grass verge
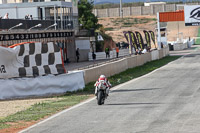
109 29
44 109
128 22
197 41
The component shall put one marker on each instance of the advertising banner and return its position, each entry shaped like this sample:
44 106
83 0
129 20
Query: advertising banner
127 36
148 40
152 37
140 40
133 40
192 15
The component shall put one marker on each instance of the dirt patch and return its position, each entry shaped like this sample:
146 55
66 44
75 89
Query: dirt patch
115 27
13 106
25 104
16 127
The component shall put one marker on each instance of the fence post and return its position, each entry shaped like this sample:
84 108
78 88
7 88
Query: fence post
118 12
164 8
152 10
174 7
107 12
96 12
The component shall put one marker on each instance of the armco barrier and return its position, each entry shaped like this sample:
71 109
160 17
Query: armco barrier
112 68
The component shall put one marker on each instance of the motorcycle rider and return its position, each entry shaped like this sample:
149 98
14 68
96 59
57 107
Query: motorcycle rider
108 85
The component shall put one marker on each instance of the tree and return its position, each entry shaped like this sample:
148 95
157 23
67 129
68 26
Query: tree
90 22
86 18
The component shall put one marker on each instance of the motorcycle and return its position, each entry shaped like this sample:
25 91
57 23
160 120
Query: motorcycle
101 92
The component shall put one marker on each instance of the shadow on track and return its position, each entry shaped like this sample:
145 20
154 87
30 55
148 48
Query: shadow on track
127 90
134 104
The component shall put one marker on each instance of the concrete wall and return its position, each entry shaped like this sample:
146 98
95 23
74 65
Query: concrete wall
112 68
155 55
145 10
182 45
138 11
191 42
170 7
113 12
102 13
179 46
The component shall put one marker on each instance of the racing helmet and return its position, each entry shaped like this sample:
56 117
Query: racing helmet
102 77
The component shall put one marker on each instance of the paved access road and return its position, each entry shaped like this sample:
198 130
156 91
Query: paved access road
164 101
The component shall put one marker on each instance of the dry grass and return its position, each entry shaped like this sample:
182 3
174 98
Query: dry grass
115 27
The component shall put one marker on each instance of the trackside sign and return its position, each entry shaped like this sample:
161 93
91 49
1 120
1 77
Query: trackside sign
192 15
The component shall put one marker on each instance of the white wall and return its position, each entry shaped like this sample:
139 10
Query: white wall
74 5
19 13
31 11
83 44
84 48
11 11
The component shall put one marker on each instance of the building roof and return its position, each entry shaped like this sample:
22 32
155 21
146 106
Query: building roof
153 3
37 4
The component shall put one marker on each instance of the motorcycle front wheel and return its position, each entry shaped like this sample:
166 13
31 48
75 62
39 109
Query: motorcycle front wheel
100 98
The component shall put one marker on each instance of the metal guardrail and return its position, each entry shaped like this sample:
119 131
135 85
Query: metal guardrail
98 64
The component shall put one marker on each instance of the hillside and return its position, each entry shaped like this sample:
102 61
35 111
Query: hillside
115 27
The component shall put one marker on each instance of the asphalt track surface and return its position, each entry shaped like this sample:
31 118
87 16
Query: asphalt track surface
164 101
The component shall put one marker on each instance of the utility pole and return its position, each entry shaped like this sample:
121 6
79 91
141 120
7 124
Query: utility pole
121 11
158 27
